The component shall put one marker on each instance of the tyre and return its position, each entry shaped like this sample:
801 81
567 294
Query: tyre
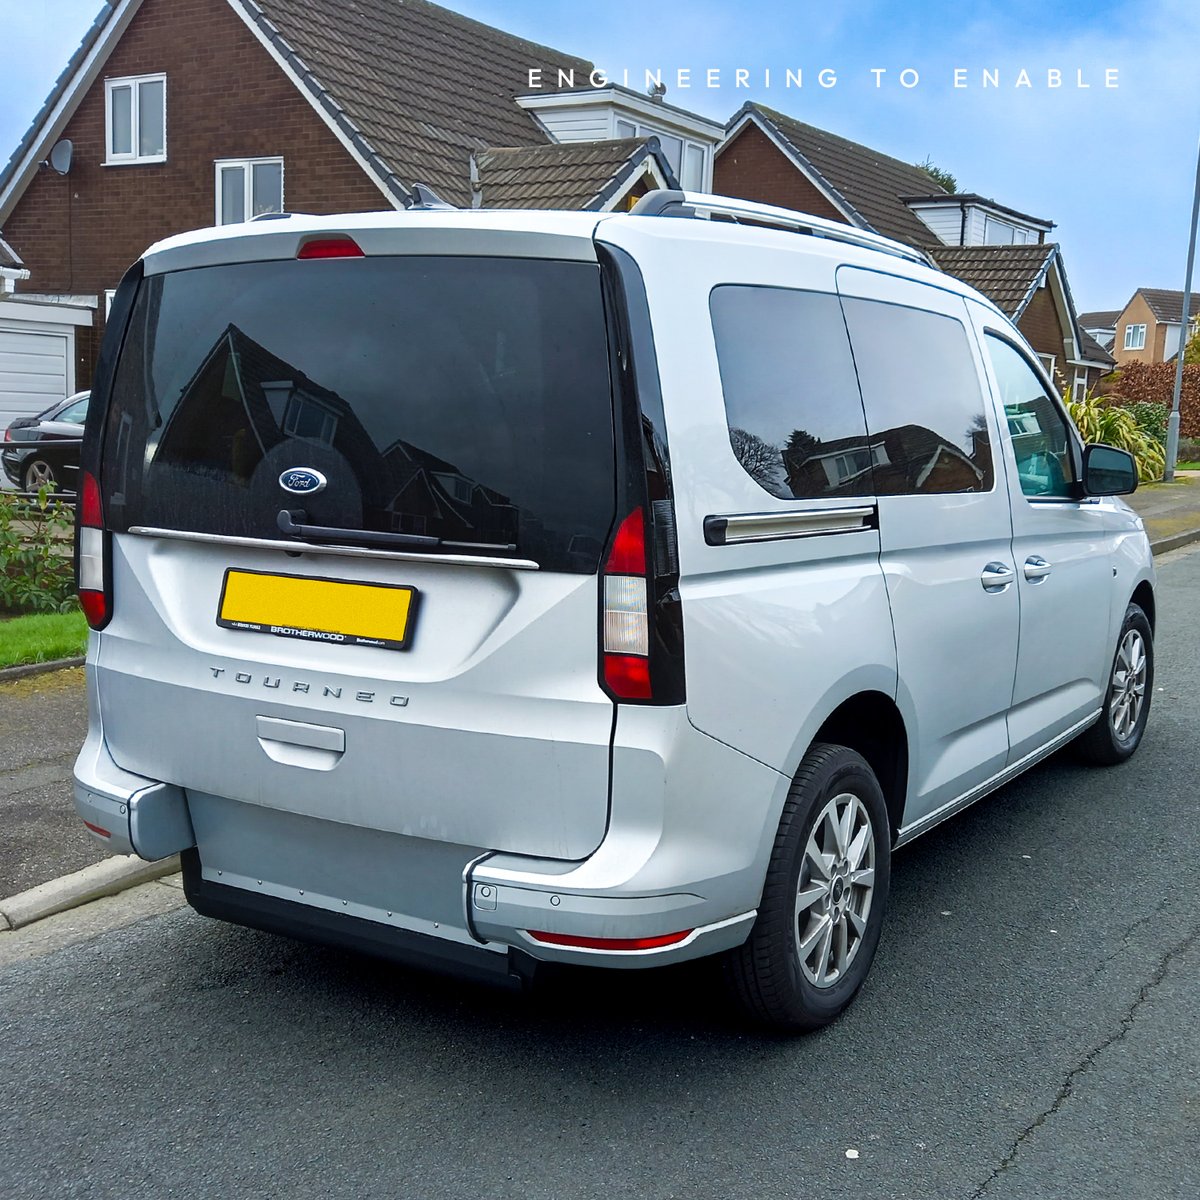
38 473
823 901
1118 732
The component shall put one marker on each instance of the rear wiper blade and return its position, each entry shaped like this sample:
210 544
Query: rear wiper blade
291 522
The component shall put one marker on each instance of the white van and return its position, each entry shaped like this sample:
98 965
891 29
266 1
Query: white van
485 588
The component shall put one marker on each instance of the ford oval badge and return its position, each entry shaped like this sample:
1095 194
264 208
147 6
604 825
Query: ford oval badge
302 481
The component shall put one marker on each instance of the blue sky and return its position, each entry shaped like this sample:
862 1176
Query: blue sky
1114 167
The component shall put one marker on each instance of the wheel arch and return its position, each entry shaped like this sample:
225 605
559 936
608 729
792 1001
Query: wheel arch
871 724
1143 597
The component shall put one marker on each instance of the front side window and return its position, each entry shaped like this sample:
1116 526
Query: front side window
1040 436
247 188
136 119
924 405
792 406
1135 337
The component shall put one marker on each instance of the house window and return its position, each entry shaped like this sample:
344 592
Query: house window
1079 388
688 160
998 233
1135 337
136 119
109 293
248 187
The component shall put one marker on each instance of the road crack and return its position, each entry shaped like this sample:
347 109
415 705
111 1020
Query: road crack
1067 1088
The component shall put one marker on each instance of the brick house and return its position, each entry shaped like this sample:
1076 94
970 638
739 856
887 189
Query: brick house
1001 252
1148 328
189 113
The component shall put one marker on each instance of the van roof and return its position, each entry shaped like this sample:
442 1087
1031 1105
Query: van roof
506 232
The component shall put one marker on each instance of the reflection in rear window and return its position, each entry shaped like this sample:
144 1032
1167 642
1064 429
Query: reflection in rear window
462 398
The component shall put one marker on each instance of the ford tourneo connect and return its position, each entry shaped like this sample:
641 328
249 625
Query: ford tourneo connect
480 588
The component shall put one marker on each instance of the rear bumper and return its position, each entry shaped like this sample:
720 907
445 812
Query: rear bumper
690 830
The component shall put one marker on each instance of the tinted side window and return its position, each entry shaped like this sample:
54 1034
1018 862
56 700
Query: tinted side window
1040 437
923 401
791 399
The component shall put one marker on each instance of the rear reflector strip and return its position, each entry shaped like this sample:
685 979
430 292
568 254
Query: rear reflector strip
96 829
593 943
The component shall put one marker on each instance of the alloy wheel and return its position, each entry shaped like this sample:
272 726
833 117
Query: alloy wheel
1127 693
837 882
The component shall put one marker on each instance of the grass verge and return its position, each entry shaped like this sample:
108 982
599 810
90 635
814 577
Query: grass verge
42 637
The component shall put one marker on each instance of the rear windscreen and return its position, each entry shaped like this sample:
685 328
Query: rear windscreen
465 399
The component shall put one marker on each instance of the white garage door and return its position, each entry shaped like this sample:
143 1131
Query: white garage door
34 371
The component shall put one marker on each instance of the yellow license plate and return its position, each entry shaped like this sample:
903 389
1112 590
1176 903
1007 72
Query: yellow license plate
319 610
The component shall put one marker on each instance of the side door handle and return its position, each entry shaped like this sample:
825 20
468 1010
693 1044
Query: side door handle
997 577
1036 568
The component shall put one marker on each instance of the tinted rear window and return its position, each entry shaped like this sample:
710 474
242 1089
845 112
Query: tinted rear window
463 398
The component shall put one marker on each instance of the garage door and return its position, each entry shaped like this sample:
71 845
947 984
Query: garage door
33 371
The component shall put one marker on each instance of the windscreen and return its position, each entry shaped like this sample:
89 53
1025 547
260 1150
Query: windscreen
463 399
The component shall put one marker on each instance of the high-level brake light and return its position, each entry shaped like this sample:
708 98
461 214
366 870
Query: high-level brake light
330 247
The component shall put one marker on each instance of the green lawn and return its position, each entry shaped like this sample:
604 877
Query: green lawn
1187 466
42 638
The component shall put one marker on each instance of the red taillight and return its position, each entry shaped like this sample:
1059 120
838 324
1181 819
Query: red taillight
626 629
628 554
91 511
628 676
92 552
330 247
594 943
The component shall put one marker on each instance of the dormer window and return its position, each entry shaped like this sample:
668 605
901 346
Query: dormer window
135 119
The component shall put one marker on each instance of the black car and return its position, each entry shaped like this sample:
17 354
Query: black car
29 468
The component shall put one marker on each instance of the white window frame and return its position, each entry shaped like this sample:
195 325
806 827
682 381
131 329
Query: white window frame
132 82
109 294
642 130
1135 333
247 165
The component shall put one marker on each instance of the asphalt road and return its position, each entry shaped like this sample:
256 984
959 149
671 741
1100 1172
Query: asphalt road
1029 1031
43 720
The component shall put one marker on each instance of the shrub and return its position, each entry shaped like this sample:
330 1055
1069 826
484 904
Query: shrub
1151 419
1114 426
36 571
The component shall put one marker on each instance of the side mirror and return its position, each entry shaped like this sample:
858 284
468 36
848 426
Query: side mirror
1108 471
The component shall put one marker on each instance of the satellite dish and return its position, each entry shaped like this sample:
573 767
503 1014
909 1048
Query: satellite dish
60 156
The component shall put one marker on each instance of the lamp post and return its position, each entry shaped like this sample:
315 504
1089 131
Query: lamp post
1176 395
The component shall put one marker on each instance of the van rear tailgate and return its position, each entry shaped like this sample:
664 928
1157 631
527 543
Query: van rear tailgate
490 730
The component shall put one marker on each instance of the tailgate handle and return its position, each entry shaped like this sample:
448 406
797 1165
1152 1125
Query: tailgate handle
299 733
298 744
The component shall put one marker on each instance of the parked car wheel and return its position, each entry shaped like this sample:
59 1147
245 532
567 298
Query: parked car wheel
822 908
1118 732
39 474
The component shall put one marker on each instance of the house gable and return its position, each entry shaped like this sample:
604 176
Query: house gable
751 165
78 233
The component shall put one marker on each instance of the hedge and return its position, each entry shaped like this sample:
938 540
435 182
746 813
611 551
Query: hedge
1153 383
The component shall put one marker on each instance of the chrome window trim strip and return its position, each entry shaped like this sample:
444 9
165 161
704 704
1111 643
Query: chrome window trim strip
217 539
737 528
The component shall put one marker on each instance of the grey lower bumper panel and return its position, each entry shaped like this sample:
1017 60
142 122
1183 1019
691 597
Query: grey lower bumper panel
306 923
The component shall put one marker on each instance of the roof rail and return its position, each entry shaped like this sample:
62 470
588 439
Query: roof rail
670 203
